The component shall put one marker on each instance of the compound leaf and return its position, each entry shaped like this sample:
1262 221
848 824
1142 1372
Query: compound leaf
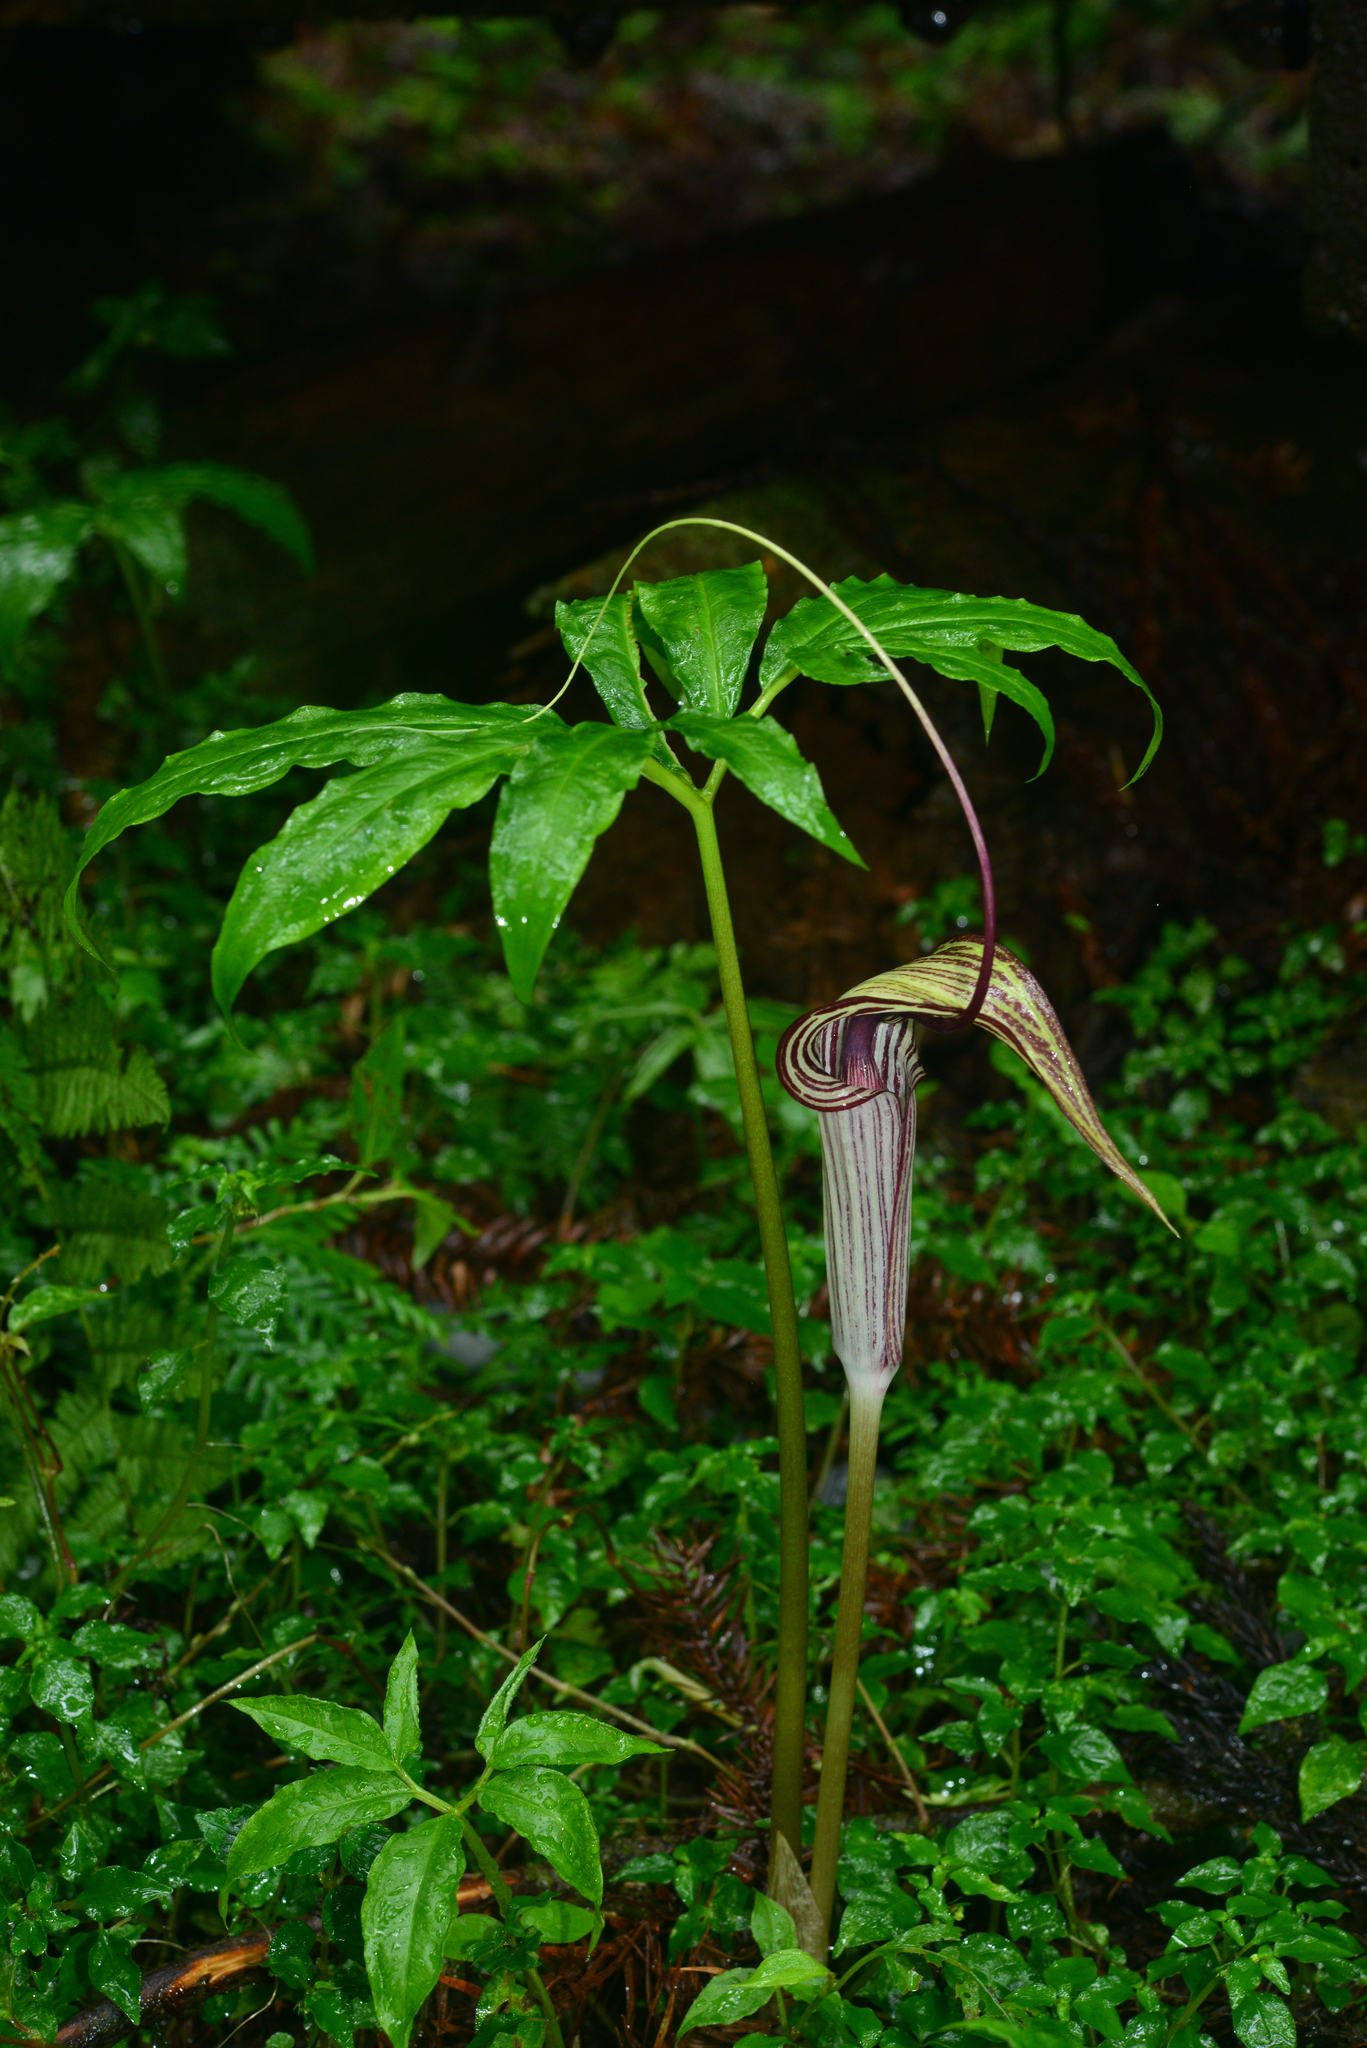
236 763
332 853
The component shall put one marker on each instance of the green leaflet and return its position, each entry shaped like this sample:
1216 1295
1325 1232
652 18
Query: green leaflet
1329 1772
554 805
699 630
377 1095
37 555
735 1994
765 756
959 635
495 1717
409 1899
250 1293
114 1972
336 1735
1018 1012
553 1816
235 763
48 1301
313 1811
1282 1692
401 1729
566 1740
332 853
607 647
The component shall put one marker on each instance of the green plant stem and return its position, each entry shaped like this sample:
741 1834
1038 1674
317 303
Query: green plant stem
142 612
503 1899
173 1512
790 1693
866 1408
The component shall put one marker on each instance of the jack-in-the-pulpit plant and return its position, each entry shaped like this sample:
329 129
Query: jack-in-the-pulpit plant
421 757
855 1062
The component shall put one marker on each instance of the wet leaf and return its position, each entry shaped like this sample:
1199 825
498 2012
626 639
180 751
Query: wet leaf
767 761
410 1895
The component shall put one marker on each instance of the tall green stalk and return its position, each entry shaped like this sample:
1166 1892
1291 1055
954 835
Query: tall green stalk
866 1408
790 1692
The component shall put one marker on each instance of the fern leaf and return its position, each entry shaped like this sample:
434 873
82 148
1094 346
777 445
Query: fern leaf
83 1082
109 1222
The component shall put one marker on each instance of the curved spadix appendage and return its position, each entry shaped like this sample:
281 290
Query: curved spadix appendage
937 990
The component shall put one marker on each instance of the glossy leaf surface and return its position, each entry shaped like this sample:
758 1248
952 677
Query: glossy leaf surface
553 1817
553 807
401 1729
410 1895
566 1740
699 631
46 1302
735 1994
608 648
959 635
315 1810
765 756
1329 1772
37 555
235 763
1281 1692
495 1716
332 853
331 1734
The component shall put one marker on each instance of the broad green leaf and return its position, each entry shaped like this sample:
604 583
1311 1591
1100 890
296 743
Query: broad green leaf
314 1811
556 1920
37 556
735 1994
163 1376
249 1292
256 499
136 513
236 763
607 647
765 756
476 1938
409 1898
115 1646
332 1734
772 1926
553 1817
699 630
63 1688
566 1740
1032 2033
401 1729
1282 1692
1221 1874
377 1094
1264 2021
554 805
1016 1011
334 852
114 1972
1083 1752
46 1302
958 634
1329 1772
495 1717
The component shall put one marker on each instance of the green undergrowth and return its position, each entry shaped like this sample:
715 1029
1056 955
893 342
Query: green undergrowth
432 1310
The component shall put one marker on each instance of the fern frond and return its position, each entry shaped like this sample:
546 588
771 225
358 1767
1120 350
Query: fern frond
110 1223
83 1081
